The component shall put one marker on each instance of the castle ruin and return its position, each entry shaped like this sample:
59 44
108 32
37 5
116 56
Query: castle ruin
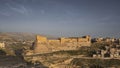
44 45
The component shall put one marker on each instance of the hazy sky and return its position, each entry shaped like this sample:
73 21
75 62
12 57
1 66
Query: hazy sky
61 17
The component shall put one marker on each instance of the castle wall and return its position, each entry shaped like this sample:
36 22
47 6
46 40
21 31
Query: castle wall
54 42
42 48
43 45
86 41
41 39
83 40
68 40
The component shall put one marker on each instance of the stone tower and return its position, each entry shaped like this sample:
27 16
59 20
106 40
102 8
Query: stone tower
41 45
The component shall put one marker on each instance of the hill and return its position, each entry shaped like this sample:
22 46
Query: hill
16 36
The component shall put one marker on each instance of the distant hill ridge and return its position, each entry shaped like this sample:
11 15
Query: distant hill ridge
12 36
16 36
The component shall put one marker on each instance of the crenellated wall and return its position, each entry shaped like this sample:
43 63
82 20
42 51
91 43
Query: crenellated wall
68 40
41 39
54 42
43 45
84 41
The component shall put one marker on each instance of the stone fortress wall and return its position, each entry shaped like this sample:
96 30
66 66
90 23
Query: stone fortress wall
44 45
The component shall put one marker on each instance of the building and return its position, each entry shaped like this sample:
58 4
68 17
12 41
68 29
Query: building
44 45
2 45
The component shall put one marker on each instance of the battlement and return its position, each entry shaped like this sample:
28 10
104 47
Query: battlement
85 39
40 39
45 45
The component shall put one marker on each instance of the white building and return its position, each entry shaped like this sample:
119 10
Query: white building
2 45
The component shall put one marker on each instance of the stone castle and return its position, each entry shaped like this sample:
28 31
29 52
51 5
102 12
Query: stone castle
44 45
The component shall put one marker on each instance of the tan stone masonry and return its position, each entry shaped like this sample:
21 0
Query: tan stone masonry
43 45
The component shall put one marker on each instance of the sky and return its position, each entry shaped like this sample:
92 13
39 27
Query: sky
98 18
